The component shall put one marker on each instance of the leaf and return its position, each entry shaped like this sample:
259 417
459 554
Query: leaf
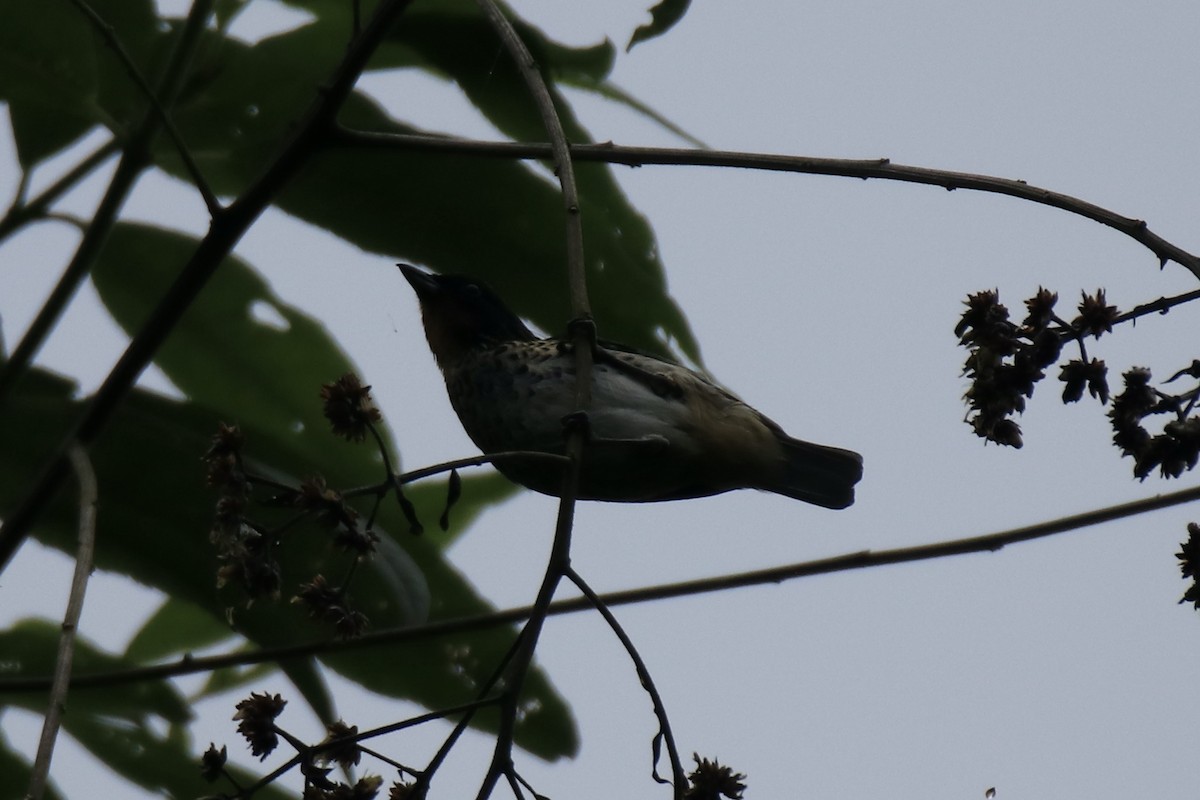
154 528
177 627
47 75
156 762
255 95
663 17
17 772
31 648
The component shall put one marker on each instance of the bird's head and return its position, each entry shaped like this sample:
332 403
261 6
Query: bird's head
461 314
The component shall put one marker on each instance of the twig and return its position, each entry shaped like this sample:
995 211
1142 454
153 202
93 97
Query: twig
227 228
84 559
21 212
583 337
474 461
680 780
1160 306
114 43
134 159
880 168
863 559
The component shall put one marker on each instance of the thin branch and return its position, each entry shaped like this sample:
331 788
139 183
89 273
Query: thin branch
864 559
134 159
84 559
680 780
110 38
475 461
1160 306
226 230
880 168
583 335
21 212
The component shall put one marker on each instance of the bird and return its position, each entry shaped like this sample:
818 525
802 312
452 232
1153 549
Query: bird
656 430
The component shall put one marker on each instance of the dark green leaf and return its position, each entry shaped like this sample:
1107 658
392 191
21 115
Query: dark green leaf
154 528
16 772
47 75
663 17
31 647
157 763
230 678
414 205
177 627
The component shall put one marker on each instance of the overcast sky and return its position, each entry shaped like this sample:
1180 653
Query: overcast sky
1055 669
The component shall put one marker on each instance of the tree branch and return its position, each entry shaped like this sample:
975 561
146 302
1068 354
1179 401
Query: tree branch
84 559
880 168
679 777
114 43
583 338
21 212
864 559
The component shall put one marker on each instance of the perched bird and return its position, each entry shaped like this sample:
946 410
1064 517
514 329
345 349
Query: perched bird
658 431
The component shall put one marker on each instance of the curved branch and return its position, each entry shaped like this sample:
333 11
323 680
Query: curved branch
679 777
879 168
864 559
583 339
84 559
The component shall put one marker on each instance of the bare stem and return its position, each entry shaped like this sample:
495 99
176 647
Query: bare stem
679 776
84 559
22 212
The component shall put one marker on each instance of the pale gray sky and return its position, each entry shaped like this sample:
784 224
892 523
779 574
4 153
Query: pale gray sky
1055 669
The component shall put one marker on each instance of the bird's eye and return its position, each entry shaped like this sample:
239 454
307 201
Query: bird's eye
473 290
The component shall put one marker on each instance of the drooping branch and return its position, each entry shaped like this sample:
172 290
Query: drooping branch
878 168
84 559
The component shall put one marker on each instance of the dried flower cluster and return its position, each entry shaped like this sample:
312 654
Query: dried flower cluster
1189 564
248 548
1006 360
330 604
255 717
244 551
348 407
712 781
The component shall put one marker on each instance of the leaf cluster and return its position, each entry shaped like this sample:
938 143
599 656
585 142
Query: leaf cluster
237 104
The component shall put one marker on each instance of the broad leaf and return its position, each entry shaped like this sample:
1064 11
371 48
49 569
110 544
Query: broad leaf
153 527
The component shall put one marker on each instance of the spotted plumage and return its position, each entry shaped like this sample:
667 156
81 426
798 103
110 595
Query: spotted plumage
659 431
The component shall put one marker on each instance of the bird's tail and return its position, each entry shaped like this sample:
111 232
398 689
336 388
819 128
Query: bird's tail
814 473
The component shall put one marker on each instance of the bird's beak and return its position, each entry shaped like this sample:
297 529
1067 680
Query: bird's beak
424 284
